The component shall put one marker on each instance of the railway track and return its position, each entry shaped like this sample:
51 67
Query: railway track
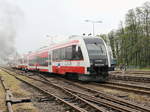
106 96
132 72
73 101
126 87
112 98
129 78
103 96
100 98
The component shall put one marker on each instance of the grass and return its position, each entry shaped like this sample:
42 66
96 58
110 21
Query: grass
15 86
2 99
139 98
145 69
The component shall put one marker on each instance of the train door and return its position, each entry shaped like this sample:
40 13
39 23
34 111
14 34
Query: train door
50 61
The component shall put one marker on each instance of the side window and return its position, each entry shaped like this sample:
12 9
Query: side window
25 60
59 54
54 55
40 61
63 54
74 53
68 53
45 63
32 61
79 53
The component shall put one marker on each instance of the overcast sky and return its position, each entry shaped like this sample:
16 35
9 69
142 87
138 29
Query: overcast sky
60 18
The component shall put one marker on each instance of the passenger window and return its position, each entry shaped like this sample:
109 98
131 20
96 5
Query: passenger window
76 53
68 53
63 54
74 56
79 54
54 54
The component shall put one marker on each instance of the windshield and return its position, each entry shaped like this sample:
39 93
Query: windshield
96 48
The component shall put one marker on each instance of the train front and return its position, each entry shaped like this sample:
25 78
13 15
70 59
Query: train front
98 59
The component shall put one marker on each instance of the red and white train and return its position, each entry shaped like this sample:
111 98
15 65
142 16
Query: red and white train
83 58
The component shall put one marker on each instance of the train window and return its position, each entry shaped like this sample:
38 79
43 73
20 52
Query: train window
58 54
95 48
54 55
25 61
38 60
102 49
45 62
64 53
31 62
68 53
42 61
49 60
79 54
49 56
76 53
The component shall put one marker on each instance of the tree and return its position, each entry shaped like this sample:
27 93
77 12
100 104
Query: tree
130 43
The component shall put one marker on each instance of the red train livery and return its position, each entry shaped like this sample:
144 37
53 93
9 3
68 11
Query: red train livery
82 58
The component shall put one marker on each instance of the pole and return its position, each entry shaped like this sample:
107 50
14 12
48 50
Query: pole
93 29
93 22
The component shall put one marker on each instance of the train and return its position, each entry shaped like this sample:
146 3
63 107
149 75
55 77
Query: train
84 58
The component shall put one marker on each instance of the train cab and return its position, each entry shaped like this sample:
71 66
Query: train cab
82 58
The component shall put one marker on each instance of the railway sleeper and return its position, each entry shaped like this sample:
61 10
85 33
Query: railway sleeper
22 100
42 98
